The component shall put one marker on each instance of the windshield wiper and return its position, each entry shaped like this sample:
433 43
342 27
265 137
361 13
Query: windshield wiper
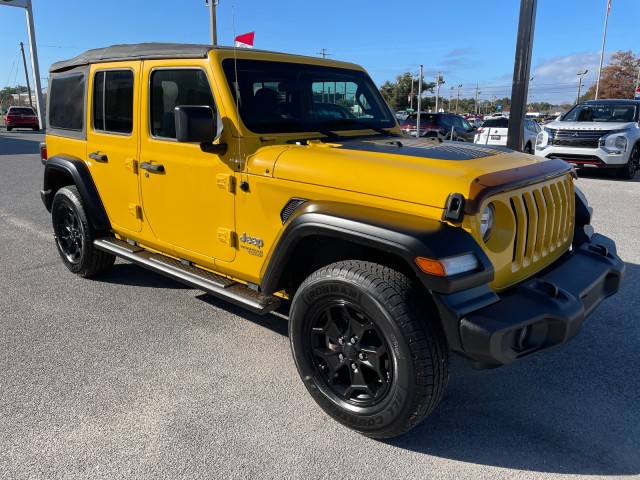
355 121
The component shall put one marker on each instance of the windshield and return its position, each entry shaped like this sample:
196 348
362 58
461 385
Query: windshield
281 97
604 112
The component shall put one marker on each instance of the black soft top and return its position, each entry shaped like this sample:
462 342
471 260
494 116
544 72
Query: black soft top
137 51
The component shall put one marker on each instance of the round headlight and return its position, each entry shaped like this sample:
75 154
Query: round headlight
486 222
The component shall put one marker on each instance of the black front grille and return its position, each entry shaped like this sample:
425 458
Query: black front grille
576 138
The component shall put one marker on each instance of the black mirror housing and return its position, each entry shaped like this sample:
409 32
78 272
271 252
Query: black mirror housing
195 124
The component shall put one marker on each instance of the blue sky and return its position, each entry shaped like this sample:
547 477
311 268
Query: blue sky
469 41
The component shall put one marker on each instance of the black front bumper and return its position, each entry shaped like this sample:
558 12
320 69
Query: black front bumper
543 312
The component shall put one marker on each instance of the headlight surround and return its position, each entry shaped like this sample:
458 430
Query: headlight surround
486 222
614 140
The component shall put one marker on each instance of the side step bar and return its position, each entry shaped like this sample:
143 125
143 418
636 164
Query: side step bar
217 285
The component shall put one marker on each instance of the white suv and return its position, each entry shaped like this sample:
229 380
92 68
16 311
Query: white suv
596 134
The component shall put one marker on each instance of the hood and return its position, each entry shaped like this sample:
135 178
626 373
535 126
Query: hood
424 172
590 126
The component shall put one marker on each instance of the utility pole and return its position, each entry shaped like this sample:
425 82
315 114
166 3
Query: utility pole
478 92
212 4
26 74
323 52
581 74
458 99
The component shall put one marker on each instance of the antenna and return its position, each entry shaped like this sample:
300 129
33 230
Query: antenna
239 161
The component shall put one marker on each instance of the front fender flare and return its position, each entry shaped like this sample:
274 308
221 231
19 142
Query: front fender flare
403 235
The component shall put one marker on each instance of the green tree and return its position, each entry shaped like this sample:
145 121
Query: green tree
6 94
397 94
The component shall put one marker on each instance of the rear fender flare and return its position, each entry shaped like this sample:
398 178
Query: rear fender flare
63 170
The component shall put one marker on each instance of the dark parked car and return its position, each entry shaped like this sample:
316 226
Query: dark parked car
21 117
446 125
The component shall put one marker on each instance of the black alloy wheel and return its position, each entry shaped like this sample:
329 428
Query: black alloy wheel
75 235
369 347
349 353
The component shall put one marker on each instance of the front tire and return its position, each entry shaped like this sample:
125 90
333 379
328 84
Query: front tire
75 235
369 347
628 171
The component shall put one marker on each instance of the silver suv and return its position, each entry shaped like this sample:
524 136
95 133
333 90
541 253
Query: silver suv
596 134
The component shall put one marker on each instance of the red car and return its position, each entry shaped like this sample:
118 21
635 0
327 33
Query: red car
21 117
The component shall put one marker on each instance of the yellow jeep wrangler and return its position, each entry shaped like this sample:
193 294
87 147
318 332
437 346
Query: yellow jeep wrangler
265 178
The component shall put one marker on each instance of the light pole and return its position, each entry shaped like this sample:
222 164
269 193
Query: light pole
35 71
458 98
478 92
437 90
581 74
413 77
419 102
450 97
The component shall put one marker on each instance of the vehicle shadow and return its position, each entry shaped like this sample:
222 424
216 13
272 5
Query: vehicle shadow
568 411
129 274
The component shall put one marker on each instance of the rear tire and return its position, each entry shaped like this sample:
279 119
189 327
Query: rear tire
369 348
75 235
9 129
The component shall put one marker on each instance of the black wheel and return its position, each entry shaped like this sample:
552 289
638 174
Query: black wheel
369 347
9 129
35 128
528 149
74 235
629 170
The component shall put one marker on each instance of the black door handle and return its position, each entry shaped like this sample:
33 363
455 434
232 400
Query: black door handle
98 157
152 167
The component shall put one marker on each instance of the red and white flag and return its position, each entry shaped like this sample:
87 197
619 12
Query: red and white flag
608 7
245 40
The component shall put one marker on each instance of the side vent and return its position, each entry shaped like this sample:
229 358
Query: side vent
291 207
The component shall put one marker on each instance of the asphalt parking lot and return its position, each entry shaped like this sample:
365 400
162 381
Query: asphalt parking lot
135 376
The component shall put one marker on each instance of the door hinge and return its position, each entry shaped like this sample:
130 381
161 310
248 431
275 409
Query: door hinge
226 182
227 236
132 165
135 211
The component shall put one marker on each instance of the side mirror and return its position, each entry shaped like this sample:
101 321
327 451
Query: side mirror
195 124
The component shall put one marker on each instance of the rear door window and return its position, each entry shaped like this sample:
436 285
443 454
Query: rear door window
113 101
